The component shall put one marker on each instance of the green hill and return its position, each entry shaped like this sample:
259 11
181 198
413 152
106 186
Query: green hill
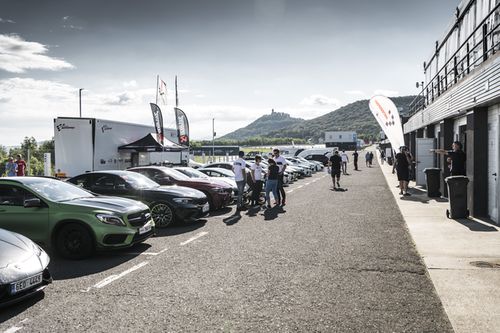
352 117
273 122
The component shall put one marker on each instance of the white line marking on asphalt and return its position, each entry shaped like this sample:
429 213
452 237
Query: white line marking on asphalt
200 234
301 186
147 253
115 277
289 191
12 329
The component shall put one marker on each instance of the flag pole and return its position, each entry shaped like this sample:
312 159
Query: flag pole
176 94
157 87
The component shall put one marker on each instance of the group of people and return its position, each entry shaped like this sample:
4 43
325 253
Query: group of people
15 167
403 163
274 183
369 159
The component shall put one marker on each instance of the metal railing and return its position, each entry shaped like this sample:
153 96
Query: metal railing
467 57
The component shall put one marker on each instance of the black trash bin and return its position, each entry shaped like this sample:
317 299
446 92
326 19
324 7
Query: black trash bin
433 177
457 194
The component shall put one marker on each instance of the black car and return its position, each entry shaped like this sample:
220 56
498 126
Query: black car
168 204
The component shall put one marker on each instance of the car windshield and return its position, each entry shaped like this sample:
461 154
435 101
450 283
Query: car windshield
138 181
192 173
177 175
56 190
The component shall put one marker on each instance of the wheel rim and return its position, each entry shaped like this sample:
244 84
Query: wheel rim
162 215
73 241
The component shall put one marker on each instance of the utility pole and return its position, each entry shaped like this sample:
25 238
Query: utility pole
213 139
80 99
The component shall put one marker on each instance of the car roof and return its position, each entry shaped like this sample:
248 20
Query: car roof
24 179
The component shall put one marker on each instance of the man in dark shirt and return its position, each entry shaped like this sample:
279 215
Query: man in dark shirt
456 157
401 166
335 166
355 155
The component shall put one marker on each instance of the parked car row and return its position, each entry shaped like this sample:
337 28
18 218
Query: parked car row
103 210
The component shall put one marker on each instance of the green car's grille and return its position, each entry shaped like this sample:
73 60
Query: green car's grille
139 219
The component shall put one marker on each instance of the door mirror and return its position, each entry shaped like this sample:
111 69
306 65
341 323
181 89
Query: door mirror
35 202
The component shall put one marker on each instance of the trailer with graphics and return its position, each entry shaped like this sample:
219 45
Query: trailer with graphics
90 144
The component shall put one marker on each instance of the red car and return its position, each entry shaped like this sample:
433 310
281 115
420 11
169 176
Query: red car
218 193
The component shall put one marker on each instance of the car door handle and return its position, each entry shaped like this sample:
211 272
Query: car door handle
495 174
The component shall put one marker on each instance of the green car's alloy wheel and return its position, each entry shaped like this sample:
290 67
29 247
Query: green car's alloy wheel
162 215
74 241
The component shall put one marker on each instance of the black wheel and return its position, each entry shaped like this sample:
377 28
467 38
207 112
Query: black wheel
74 241
447 213
162 214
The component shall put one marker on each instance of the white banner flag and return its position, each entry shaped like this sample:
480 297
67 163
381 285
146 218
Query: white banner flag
387 115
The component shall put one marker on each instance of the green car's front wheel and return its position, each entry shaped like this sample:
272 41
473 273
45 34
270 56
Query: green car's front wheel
74 241
162 215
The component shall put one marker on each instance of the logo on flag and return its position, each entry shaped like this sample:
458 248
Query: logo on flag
158 121
162 91
182 127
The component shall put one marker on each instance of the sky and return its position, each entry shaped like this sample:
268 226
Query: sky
235 59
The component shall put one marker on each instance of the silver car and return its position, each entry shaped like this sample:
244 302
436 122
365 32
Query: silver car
23 268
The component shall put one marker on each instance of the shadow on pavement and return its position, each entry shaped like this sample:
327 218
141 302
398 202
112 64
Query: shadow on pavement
233 219
272 213
222 211
18 308
475 226
180 229
252 211
64 269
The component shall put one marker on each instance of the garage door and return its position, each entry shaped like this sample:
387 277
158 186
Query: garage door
493 162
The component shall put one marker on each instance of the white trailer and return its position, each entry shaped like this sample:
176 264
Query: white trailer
90 144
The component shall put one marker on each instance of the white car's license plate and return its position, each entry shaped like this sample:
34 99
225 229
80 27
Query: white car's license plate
145 228
25 284
205 208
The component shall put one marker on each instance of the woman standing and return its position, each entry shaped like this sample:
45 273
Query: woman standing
272 181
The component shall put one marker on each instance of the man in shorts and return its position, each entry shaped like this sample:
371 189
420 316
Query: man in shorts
335 164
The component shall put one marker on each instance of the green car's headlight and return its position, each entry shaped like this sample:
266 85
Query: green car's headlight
110 219
183 200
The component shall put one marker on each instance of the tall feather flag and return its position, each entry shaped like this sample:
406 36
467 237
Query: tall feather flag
182 127
387 115
162 91
158 121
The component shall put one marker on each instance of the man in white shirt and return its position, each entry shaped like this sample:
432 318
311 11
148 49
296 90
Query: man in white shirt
240 178
256 169
281 163
345 159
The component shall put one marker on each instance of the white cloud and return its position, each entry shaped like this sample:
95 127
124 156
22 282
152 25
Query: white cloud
320 100
6 21
385 92
17 55
130 84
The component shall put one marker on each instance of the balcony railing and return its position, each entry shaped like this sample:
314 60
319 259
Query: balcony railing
457 67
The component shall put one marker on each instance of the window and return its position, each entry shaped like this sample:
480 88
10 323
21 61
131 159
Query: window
13 195
105 182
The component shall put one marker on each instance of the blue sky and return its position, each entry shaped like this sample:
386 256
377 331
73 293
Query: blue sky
236 60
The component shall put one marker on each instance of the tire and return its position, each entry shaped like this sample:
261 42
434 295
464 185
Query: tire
74 241
162 214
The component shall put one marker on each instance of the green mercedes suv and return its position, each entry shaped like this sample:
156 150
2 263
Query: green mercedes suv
70 220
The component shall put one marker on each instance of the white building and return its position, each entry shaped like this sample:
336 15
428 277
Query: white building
460 102
342 140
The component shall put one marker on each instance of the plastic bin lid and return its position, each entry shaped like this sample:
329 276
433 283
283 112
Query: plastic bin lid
432 169
456 178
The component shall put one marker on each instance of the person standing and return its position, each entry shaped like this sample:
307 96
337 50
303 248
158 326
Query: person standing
281 163
335 163
240 178
272 182
355 158
370 159
456 158
21 166
256 173
345 160
382 156
11 168
367 158
401 165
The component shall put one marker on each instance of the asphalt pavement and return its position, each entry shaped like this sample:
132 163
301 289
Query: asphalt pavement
328 261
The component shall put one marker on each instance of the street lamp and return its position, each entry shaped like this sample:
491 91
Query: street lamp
213 139
80 99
